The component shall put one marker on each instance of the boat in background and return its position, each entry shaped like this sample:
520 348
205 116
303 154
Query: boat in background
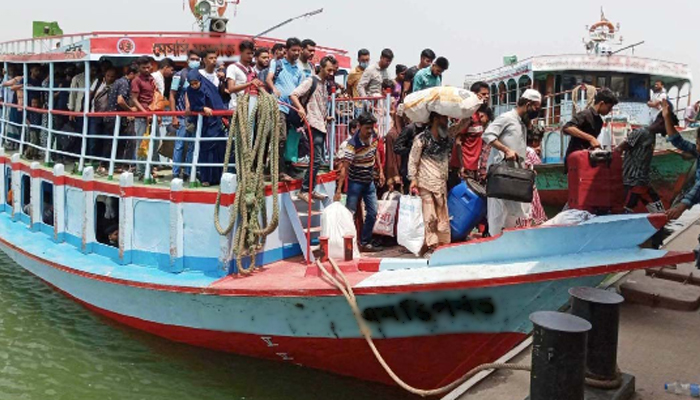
559 78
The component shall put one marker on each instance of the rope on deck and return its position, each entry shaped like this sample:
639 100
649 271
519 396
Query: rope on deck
248 213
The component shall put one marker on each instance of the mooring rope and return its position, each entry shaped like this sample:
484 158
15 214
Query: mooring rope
249 209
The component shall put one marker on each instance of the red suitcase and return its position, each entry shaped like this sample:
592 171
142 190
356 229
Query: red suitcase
595 181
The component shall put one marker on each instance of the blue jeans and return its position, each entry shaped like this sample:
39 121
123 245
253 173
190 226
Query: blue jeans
368 193
179 148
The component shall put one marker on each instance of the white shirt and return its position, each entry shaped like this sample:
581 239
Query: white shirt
239 77
160 81
210 77
654 111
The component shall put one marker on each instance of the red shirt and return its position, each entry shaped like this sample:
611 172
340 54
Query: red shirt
470 149
142 90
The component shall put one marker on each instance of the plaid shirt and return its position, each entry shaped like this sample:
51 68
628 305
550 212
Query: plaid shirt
693 196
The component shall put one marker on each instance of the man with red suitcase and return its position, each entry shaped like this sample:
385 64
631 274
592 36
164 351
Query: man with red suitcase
586 125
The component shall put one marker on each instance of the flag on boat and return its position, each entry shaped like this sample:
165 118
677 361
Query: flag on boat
46 29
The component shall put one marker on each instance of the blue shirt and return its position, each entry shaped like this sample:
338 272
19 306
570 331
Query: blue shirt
693 196
425 79
289 78
179 87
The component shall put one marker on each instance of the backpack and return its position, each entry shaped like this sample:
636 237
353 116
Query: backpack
293 117
266 71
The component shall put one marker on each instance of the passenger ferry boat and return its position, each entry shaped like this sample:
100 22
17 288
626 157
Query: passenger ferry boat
165 268
559 78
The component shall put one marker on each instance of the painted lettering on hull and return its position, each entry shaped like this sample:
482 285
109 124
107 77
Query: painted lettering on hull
410 310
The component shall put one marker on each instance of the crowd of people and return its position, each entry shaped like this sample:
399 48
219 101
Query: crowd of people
427 160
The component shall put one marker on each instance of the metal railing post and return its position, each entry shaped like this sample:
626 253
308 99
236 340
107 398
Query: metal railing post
195 152
86 110
25 91
548 114
49 123
332 136
387 114
5 92
151 142
115 144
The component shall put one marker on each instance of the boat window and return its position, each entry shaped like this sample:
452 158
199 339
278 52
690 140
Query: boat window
639 89
601 82
569 82
107 220
8 186
26 188
618 86
47 203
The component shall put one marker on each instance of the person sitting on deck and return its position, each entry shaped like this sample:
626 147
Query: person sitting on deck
428 168
430 76
359 164
585 126
203 96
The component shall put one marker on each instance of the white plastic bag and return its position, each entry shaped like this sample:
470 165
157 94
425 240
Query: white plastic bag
444 100
337 222
387 208
410 232
570 217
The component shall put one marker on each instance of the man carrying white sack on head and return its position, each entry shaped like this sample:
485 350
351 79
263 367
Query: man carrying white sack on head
507 136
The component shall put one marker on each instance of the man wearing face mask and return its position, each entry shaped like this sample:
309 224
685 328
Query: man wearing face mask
507 136
428 169
178 88
356 74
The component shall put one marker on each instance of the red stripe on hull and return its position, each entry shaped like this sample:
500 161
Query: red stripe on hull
425 362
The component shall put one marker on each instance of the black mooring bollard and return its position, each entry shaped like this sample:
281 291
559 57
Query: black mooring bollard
558 356
602 309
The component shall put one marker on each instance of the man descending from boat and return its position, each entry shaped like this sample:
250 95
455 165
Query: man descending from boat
241 77
585 126
638 150
692 197
428 170
427 57
283 83
315 91
657 97
370 85
430 76
358 165
508 137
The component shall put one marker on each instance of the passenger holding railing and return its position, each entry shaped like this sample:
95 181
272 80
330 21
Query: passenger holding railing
177 99
13 131
120 101
203 96
143 89
100 126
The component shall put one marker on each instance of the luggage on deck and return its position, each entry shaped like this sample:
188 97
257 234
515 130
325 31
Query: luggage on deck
509 180
467 209
595 181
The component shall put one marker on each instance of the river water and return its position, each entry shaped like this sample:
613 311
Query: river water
53 348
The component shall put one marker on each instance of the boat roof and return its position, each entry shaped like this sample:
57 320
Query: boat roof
93 46
586 62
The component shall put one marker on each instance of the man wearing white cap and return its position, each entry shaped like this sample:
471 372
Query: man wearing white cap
507 136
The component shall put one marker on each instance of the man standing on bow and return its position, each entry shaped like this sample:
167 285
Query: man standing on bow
507 136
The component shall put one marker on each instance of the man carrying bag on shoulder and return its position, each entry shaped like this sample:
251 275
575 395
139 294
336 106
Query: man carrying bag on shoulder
508 193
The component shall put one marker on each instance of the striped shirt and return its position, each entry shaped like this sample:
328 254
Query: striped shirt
361 157
289 78
636 168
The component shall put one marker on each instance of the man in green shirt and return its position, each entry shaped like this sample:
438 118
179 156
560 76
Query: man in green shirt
430 76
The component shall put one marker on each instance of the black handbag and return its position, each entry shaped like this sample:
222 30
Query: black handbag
510 181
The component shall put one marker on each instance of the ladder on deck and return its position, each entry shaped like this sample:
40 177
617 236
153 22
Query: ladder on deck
298 212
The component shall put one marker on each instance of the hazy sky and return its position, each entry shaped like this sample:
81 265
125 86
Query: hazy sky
474 36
